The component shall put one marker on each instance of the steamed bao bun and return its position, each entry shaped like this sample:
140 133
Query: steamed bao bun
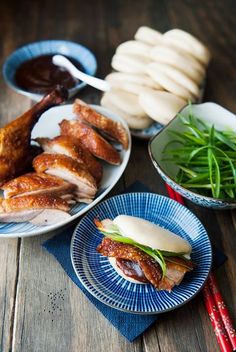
134 47
157 74
161 106
148 234
129 63
179 60
132 83
127 106
163 77
188 43
148 35
137 78
177 76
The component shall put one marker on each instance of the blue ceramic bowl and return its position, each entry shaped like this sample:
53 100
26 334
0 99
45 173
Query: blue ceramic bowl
209 112
99 277
76 51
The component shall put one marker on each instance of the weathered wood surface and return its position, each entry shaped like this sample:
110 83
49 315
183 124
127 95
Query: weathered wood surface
41 310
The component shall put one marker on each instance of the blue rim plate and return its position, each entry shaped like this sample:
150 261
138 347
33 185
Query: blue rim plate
101 280
64 47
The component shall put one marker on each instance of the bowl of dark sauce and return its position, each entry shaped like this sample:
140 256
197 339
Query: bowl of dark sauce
30 71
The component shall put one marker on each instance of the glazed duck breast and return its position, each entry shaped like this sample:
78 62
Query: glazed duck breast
65 145
111 128
90 140
33 183
69 170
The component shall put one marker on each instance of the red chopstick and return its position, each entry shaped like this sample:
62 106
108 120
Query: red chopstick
216 308
216 320
223 310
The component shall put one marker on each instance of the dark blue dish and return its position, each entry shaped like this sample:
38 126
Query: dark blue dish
102 281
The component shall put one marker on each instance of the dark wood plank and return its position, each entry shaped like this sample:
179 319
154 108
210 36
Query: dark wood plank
11 105
8 282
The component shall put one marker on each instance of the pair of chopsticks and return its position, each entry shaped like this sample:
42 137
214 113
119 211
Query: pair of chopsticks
216 308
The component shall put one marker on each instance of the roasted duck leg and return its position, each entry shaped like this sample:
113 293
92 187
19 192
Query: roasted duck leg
15 137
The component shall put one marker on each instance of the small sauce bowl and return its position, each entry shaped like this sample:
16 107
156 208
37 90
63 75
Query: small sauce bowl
73 50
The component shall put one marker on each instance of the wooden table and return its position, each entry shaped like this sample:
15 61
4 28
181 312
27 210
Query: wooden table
31 281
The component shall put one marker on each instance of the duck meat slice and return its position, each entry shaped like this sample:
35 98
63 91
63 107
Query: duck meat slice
51 209
90 140
37 183
69 170
131 269
176 267
50 217
150 268
65 145
110 127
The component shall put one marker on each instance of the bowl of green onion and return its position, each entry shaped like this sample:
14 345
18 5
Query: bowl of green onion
196 155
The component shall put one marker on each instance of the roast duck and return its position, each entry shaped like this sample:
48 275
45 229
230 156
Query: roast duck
41 182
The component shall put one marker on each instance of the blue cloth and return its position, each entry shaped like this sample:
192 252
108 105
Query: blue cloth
129 325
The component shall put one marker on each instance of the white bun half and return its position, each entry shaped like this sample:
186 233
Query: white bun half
161 106
188 43
138 78
133 121
134 47
129 63
148 35
151 235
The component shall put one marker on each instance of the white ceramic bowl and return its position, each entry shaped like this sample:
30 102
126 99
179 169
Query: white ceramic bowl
209 112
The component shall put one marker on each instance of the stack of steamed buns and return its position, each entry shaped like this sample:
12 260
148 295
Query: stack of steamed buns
155 76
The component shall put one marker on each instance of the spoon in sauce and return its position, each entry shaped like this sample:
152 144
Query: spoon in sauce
98 83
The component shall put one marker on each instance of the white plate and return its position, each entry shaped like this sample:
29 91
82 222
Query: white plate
48 127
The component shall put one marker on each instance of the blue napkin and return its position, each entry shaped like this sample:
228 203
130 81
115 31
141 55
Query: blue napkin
129 325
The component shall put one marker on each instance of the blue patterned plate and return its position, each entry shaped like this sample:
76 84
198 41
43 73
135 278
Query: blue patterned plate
147 133
101 280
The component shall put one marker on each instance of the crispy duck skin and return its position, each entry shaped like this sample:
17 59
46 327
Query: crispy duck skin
110 127
150 268
34 202
65 145
33 183
38 209
91 140
175 267
15 136
69 170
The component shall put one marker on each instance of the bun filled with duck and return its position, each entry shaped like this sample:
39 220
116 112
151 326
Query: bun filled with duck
143 252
